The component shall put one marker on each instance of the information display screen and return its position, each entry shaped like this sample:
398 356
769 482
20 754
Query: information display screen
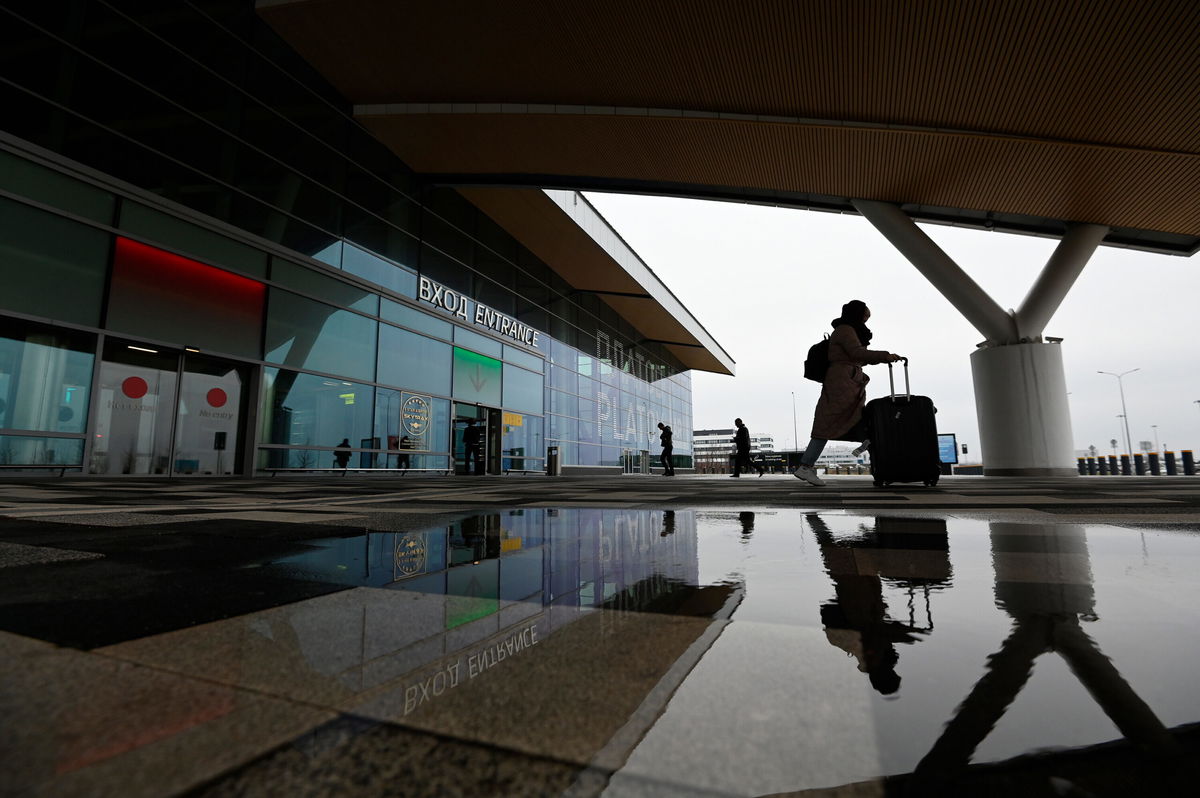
948 447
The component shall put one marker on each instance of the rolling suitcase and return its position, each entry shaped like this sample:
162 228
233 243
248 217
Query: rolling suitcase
903 433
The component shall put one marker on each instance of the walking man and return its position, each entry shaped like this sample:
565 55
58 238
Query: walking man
472 436
665 459
741 442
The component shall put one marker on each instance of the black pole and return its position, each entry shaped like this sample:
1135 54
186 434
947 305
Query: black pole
1189 465
1102 465
1154 469
1091 466
1139 464
1083 469
1126 468
1113 468
1170 459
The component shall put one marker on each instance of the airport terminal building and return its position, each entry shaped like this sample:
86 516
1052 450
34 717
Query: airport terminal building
210 268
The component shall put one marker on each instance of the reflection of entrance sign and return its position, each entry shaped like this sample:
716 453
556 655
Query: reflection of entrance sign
948 447
409 556
415 418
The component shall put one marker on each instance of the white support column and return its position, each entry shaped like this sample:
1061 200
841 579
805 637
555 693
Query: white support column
1020 385
940 269
1058 275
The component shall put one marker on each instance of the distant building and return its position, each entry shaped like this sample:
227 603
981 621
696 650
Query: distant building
712 449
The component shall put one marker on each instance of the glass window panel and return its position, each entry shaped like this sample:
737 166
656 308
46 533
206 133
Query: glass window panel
157 294
477 342
52 266
522 444
45 377
21 450
379 271
476 378
37 182
522 389
310 410
589 455
305 334
564 404
563 380
610 456
323 287
524 359
389 429
135 411
415 319
186 237
562 428
412 361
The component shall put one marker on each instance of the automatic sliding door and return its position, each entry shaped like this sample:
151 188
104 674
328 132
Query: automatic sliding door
207 429
136 410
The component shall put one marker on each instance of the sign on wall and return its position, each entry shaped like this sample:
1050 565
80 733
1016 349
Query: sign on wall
478 313
416 419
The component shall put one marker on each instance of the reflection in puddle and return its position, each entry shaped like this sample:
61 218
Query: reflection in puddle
763 651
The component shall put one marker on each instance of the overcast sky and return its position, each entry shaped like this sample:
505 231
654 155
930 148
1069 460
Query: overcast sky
766 282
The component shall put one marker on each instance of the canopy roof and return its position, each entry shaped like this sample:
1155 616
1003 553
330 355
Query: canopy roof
1019 115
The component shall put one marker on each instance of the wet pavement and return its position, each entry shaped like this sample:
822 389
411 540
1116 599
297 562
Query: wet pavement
343 637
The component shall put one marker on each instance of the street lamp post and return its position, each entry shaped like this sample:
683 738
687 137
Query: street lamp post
1124 412
795 429
1155 428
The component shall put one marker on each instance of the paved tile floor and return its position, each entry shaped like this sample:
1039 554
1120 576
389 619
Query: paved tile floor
598 636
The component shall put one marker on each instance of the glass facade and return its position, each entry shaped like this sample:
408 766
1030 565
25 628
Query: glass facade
234 210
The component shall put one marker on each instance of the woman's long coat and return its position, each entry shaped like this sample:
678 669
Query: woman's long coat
844 391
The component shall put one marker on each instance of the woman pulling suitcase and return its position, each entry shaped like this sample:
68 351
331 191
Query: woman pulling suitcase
839 413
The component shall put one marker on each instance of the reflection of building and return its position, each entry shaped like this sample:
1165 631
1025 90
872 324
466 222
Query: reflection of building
216 270
713 449
492 623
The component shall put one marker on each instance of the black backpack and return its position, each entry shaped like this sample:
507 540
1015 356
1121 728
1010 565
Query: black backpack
817 362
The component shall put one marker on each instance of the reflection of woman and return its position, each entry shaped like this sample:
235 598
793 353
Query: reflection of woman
856 620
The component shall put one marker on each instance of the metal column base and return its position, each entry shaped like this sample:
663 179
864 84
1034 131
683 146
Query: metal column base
1021 405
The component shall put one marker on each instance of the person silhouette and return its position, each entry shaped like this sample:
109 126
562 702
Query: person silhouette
667 448
472 436
741 443
341 454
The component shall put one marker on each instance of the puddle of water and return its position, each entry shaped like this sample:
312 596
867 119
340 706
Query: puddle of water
825 648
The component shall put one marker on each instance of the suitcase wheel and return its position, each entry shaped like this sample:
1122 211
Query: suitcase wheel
879 483
929 483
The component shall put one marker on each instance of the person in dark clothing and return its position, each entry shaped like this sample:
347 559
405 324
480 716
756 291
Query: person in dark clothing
404 445
665 459
341 453
472 437
741 443
839 413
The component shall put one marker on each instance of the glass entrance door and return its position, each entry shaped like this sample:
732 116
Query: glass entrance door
208 417
472 443
169 413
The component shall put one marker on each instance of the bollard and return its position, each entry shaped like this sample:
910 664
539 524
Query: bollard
1170 459
1091 466
1154 469
1139 464
1102 465
1082 466
1113 468
1126 468
1189 465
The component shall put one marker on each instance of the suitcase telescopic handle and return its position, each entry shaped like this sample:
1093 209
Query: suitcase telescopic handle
892 380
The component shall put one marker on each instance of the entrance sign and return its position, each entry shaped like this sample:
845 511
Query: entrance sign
469 310
416 417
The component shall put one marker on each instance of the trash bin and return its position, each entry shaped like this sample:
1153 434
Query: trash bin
553 466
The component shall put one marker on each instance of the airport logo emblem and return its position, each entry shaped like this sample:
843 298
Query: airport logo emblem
409 556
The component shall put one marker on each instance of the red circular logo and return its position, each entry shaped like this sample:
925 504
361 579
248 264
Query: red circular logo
134 387
217 398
